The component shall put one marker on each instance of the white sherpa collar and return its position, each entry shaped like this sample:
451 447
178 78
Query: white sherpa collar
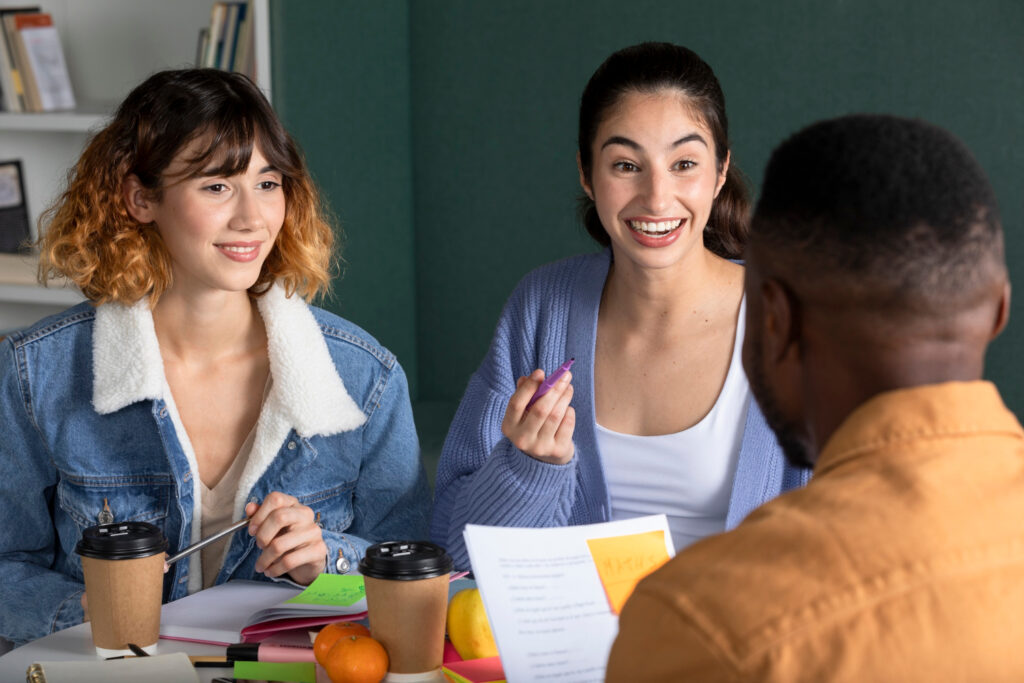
126 362
307 387
307 391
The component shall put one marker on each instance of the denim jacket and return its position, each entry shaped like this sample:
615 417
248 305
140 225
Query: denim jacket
87 420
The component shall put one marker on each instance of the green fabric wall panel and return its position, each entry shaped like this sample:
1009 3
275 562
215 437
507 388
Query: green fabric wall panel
341 85
487 178
496 88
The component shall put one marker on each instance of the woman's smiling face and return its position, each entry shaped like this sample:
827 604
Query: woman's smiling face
654 177
218 230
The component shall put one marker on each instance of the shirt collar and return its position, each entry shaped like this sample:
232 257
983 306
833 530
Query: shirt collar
307 390
909 415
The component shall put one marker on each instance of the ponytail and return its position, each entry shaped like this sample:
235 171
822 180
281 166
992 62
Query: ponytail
729 223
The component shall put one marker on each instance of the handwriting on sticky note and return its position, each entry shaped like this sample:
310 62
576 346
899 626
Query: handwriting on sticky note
340 590
623 560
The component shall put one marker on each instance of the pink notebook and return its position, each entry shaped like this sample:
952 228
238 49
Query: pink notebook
259 632
251 610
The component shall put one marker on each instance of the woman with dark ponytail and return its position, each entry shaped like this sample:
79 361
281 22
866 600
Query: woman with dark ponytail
656 415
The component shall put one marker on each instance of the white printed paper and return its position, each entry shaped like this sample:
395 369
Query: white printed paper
544 599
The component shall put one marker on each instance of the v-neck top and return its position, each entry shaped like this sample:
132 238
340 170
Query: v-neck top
217 503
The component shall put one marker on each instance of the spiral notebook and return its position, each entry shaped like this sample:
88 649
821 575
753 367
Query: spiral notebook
172 668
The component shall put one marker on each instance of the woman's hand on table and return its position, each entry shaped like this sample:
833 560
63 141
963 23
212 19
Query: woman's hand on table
544 431
291 540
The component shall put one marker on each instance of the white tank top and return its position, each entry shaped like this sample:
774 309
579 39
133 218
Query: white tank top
687 475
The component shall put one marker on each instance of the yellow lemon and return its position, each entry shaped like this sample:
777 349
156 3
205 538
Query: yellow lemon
468 628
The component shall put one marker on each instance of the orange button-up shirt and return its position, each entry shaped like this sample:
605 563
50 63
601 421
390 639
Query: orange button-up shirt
901 560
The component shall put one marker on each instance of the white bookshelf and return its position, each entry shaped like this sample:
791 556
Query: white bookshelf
22 299
82 120
110 46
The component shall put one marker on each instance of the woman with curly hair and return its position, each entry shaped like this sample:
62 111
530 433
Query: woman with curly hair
196 386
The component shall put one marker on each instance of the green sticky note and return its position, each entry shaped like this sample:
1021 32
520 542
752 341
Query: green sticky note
339 590
297 672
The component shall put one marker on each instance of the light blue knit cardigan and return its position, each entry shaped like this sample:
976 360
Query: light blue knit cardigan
483 479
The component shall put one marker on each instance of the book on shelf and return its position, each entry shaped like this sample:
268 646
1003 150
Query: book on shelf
217 15
38 61
201 43
244 61
10 78
14 24
45 66
227 48
227 43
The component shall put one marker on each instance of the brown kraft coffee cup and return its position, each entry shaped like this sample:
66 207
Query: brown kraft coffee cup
123 565
407 598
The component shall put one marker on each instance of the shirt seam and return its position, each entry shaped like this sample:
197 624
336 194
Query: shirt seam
915 437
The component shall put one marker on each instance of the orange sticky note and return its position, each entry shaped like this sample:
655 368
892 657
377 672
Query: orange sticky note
623 560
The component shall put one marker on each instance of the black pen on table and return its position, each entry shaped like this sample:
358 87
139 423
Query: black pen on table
241 652
198 661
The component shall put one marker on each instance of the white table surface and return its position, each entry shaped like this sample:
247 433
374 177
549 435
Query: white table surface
75 643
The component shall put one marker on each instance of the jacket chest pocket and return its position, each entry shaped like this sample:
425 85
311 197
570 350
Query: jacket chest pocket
333 506
88 502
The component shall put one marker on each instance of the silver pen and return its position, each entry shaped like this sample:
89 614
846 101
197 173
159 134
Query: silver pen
206 541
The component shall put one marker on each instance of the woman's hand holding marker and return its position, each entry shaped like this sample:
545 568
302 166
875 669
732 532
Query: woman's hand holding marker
542 425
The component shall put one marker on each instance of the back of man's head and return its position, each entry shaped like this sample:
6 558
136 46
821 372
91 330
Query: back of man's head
875 263
881 211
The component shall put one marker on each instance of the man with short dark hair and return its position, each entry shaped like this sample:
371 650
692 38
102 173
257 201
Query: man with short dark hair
875 280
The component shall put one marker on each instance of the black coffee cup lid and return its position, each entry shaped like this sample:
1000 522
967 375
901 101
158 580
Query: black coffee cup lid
121 541
405 561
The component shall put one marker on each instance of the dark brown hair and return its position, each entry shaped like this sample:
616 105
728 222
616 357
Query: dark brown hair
93 240
648 68
897 211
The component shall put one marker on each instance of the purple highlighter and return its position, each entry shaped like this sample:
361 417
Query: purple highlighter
549 382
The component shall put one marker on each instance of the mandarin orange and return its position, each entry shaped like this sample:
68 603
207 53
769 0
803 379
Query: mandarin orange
329 635
356 659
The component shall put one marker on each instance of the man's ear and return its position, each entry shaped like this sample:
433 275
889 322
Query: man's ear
781 333
137 199
1003 313
583 178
